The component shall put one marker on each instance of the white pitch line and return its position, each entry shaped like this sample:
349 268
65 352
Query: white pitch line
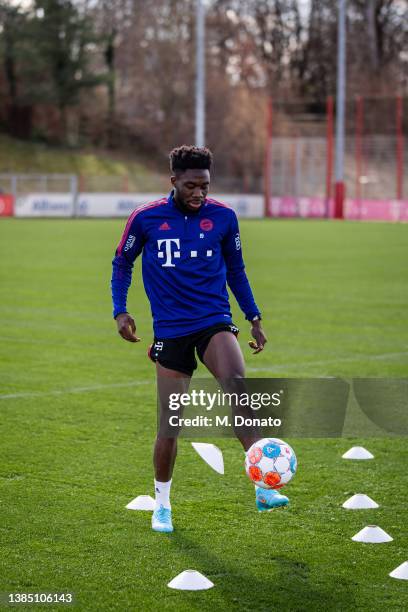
277 368
289 366
73 390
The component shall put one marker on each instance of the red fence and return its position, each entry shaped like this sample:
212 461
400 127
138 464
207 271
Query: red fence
6 205
299 156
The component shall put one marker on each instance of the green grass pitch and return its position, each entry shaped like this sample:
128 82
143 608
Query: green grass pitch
79 422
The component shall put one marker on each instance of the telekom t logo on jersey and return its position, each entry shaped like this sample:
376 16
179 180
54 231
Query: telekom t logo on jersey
171 248
167 252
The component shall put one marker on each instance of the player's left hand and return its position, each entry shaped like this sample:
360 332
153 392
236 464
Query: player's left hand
259 336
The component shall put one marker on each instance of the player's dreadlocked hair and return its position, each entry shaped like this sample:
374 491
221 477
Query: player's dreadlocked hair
186 158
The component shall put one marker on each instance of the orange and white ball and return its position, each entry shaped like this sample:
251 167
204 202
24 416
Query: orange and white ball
270 463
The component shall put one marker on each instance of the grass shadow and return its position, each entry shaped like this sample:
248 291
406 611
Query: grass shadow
289 588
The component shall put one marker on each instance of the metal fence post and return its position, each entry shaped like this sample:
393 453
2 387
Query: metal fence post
74 194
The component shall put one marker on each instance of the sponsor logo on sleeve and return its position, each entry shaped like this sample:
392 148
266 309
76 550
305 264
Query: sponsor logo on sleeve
129 243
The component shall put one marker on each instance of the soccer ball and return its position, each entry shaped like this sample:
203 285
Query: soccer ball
270 463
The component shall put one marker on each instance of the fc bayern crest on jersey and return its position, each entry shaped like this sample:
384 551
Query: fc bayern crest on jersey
206 225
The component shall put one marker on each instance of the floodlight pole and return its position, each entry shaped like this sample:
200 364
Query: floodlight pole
340 110
200 75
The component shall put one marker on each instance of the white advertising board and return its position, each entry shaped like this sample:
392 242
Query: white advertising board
44 205
112 204
116 204
245 205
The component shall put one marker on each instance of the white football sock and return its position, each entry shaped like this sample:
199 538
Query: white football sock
162 490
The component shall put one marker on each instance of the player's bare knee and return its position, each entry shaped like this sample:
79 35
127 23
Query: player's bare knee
235 374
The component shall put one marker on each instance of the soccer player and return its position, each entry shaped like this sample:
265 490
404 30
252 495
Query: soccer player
191 249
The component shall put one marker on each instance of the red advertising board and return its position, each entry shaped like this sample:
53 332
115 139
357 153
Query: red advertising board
6 205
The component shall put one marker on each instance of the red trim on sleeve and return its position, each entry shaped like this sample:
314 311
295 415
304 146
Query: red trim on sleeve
217 203
132 216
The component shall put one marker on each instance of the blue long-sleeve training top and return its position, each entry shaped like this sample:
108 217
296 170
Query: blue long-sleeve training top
188 258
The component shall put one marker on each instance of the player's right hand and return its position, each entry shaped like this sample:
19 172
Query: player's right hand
127 327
